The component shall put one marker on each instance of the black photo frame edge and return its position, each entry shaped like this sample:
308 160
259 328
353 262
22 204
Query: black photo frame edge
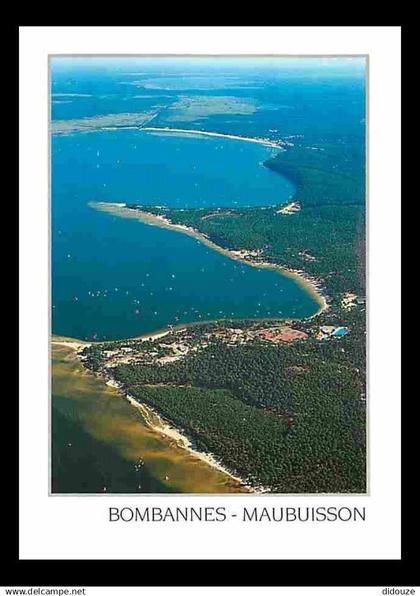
232 572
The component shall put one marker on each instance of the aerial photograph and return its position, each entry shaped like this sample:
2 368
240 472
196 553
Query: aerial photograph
208 278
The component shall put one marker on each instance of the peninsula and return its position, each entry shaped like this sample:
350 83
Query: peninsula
208 278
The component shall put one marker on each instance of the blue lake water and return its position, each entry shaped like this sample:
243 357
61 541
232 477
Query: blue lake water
115 277
179 170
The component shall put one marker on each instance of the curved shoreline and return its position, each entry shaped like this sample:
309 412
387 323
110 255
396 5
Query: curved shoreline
207 133
280 144
154 421
171 432
150 417
307 283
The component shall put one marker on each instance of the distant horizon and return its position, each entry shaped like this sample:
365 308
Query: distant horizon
326 65
207 243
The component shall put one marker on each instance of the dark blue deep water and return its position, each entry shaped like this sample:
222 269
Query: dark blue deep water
114 277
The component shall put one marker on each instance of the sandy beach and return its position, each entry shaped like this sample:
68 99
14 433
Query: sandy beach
70 342
303 279
149 415
205 133
158 424
152 418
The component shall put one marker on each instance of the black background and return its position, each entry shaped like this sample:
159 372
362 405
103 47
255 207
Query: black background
280 573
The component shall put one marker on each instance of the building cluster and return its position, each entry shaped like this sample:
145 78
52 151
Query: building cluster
290 208
177 343
350 300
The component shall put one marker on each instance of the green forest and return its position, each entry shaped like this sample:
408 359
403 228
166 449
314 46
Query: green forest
330 226
286 417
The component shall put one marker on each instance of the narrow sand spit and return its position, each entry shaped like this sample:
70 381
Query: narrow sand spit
305 281
205 133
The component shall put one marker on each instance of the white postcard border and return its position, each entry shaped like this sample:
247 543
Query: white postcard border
75 528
